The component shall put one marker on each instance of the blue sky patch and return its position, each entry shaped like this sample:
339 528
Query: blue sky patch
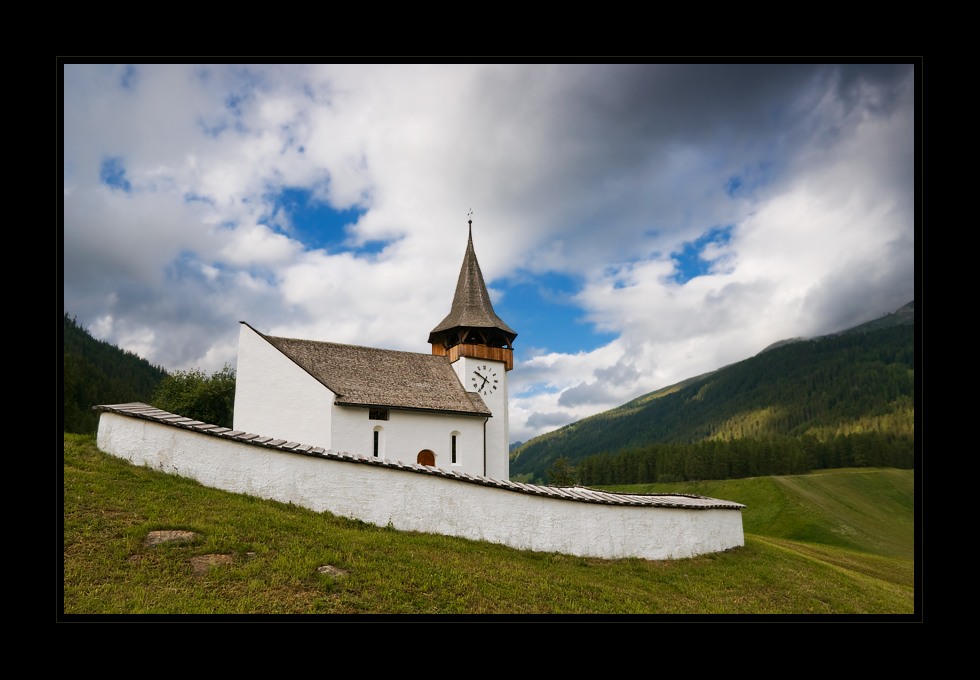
113 174
688 260
732 185
185 266
232 102
316 224
534 389
128 79
750 179
540 309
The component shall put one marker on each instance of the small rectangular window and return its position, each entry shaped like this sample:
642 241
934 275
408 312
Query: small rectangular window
375 443
454 449
378 414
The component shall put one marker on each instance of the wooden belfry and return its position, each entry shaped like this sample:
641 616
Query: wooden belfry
472 329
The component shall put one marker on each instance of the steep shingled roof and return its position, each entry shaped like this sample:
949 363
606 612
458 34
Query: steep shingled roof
365 376
471 303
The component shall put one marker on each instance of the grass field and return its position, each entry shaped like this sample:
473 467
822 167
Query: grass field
864 509
275 549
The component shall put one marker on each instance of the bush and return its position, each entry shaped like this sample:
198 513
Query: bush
195 395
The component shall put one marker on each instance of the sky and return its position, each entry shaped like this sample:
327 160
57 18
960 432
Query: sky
635 225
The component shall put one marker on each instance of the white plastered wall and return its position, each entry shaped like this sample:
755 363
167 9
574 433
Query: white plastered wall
276 398
498 430
406 433
421 502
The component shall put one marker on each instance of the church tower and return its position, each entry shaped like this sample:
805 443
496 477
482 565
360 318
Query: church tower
480 347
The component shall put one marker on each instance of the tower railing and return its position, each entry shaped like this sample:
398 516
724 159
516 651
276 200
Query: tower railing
504 354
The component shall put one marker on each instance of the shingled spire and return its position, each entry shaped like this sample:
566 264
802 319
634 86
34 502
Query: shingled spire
471 319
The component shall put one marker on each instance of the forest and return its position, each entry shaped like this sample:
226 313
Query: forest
840 401
96 372
749 457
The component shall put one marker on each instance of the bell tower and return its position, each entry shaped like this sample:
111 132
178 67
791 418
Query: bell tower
480 347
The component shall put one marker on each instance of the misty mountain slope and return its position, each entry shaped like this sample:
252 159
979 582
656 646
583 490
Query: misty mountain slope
903 316
814 386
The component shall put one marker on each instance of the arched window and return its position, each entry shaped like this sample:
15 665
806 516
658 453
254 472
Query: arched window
379 442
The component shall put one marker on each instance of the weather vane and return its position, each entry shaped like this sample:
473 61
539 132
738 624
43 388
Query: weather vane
470 213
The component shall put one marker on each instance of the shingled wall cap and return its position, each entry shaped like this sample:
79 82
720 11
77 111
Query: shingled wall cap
581 494
471 303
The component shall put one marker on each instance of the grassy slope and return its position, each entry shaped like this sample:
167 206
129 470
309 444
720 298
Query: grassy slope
110 506
860 520
863 509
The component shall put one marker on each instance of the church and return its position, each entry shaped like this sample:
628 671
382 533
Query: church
417 442
447 409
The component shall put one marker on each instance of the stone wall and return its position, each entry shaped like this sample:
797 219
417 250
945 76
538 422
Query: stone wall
415 499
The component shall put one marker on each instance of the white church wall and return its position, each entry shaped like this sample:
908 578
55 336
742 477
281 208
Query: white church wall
276 398
406 433
422 502
498 432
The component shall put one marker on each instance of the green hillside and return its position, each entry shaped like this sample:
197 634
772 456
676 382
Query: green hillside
865 509
840 385
96 372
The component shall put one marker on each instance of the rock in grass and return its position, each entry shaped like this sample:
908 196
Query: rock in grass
201 563
158 537
332 571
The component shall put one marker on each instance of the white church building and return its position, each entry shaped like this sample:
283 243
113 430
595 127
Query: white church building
418 442
447 409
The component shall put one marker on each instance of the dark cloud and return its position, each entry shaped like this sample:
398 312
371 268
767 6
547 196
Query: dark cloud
601 391
620 374
584 143
886 281
538 420
876 87
585 393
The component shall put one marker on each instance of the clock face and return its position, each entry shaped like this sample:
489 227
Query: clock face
484 380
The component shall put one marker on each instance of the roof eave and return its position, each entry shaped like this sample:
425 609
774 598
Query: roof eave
487 414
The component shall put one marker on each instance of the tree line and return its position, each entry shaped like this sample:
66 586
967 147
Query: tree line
821 387
97 372
736 458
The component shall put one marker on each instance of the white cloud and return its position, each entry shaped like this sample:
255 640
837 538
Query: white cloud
258 245
593 172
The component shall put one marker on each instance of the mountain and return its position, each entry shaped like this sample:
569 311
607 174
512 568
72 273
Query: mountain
780 343
96 372
847 382
903 316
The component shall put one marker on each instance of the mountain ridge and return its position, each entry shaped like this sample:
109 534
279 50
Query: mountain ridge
848 376
903 316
